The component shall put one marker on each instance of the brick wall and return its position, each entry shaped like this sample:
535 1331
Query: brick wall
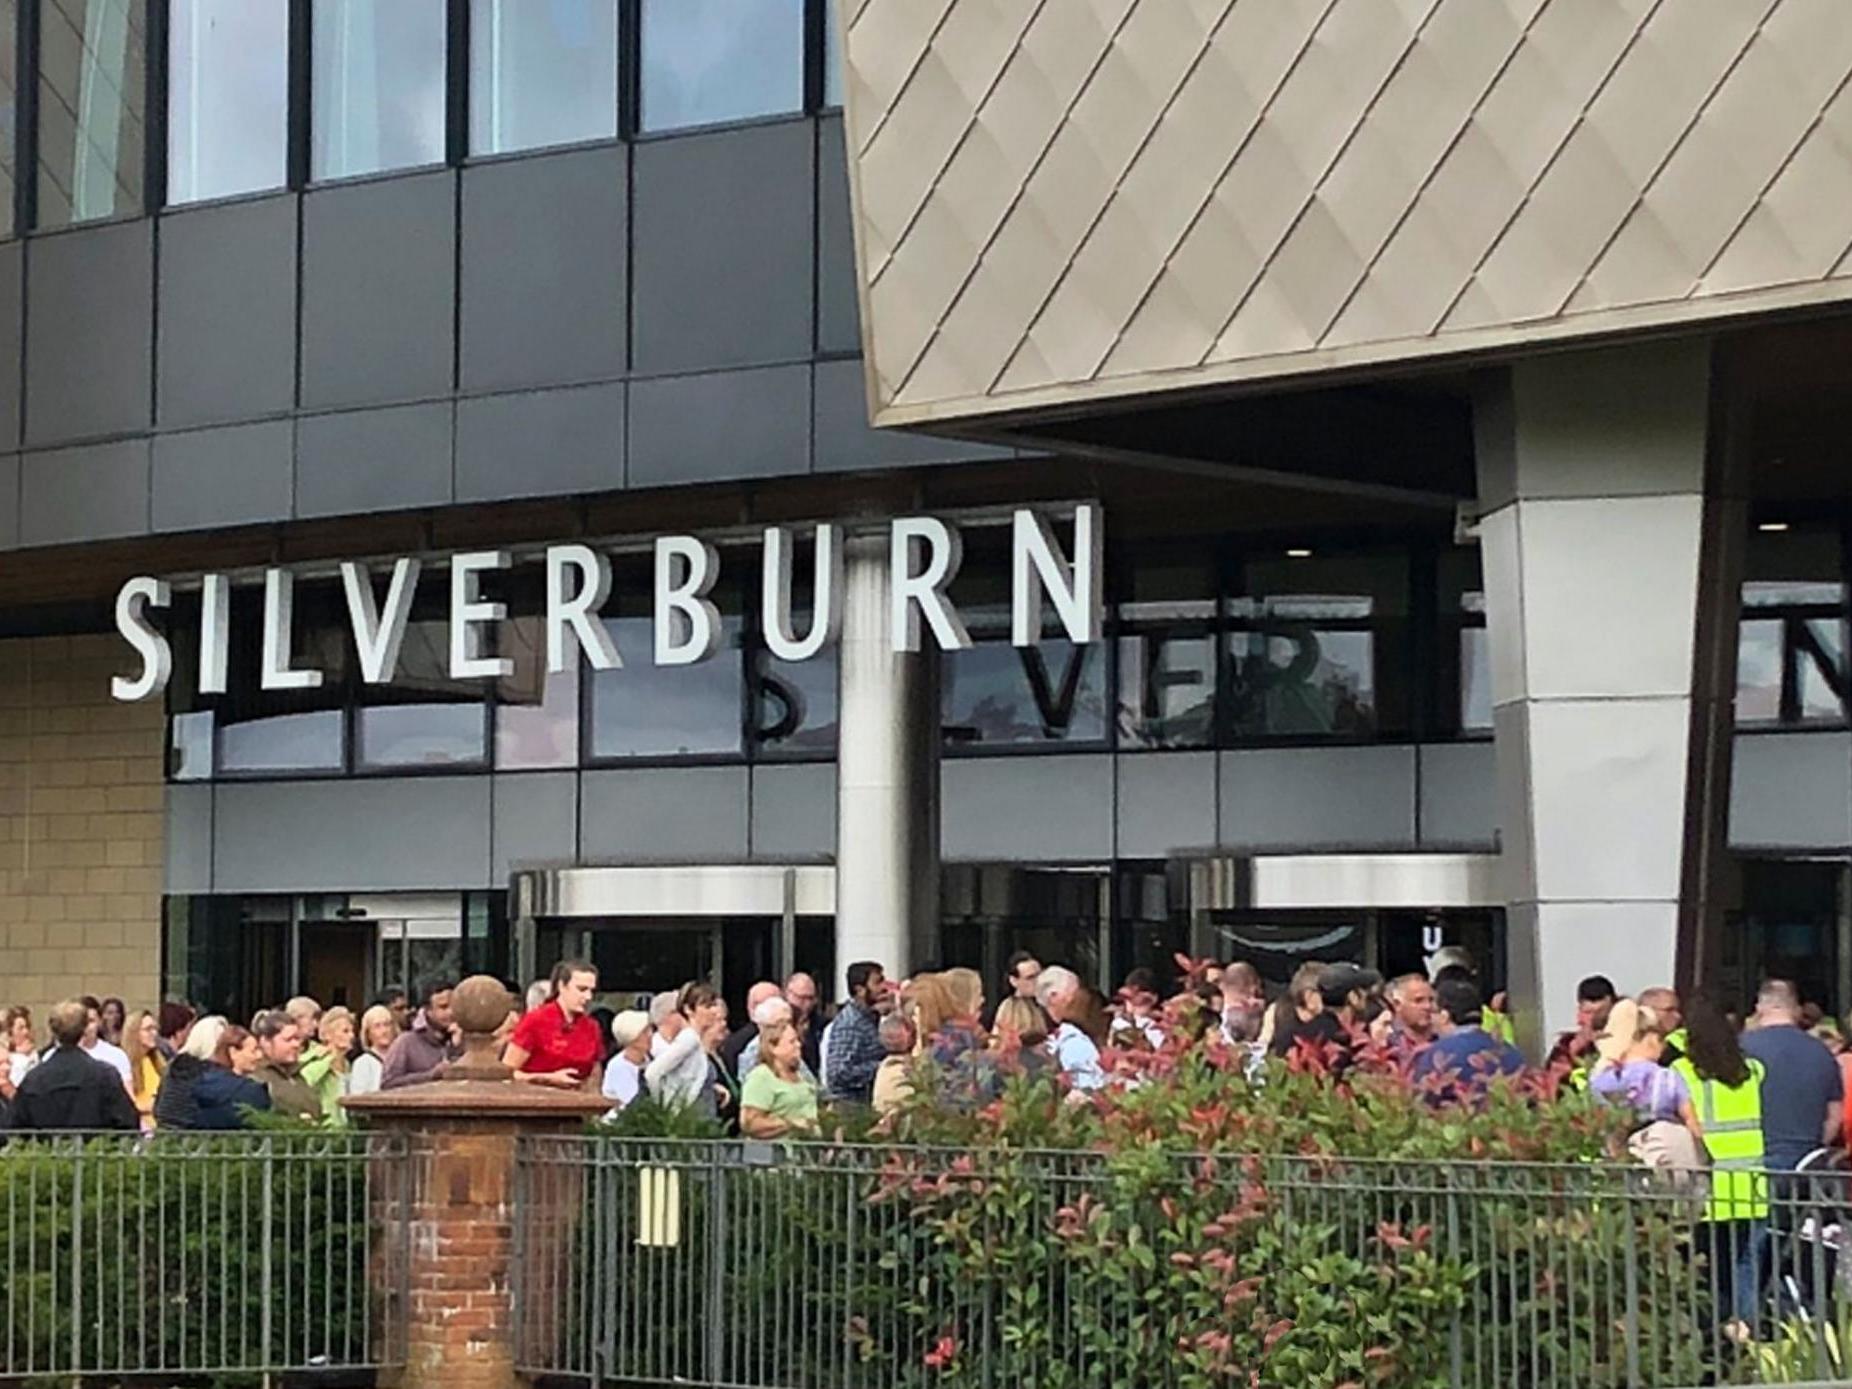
81 825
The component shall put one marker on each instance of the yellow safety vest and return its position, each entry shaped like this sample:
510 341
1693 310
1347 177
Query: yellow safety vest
1732 1120
1499 1026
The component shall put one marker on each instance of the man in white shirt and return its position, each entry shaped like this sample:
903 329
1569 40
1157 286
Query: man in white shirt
623 1078
1058 989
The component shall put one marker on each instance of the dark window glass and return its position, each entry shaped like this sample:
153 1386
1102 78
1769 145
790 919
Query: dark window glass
1319 647
795 703
378 86
423 718
1791 645
1167 665
227 98
720 60
9 108
264 732
542 72
997 694
646 710
92 109
536 712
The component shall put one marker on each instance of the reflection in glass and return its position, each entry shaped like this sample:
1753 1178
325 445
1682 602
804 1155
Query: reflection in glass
9 108
1475 666
92 108
1791 657
536 712
1292 671
796 704
720 60
1166 689
645 710
424 718
542 72
998 694
227 98
377 77
309 742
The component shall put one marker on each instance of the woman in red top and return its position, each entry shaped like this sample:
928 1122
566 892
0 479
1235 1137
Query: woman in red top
558 1044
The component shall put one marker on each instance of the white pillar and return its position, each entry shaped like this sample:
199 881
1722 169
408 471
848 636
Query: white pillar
887 779
1592 482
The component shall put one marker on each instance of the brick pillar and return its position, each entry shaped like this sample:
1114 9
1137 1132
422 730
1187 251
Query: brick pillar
447 1281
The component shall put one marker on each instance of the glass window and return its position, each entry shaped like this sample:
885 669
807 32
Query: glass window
1791 645
423 718
997 694
795 703
705 61
646 710
536 712
227 98
377 78
272 732
1464 694
542 72
9 108
1167 661
1319 647
92 109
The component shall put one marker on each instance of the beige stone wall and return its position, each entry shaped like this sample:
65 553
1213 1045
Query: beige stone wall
81 826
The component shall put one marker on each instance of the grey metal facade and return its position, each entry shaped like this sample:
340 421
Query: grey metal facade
670 310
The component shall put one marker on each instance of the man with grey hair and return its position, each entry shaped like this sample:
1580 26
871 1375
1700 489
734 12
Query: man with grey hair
801 993
1802 1098
1059 991
733 1050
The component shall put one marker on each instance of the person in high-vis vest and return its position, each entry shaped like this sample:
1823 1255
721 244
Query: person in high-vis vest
1725 1112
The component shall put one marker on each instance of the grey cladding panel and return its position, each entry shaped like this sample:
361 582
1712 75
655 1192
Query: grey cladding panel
373 460
94 493
228 313
536 821
9 501
397 834
1047 809
238 475
91 293
543 270
839 322
1319 798
1791 791
541 443
378 286
845 441
722 245
794 811
1166 803
189 838
12 289
725 424
1459 795
664 814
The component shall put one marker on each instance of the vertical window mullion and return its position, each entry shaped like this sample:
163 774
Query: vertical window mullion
456 87
629 67
300 86
154 125
814 49
26 94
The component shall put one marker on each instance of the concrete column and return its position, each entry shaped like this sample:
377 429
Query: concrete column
887 779
1593 494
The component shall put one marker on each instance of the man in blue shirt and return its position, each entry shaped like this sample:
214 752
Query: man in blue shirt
1802 1098
855 1051
1464 1056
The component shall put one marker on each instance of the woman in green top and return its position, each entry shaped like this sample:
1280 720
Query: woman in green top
777 1101
325 1067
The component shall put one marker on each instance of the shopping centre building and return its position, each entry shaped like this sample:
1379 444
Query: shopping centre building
1366 475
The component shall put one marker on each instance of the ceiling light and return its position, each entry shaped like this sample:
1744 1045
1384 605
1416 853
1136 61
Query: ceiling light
1298 554
1772 527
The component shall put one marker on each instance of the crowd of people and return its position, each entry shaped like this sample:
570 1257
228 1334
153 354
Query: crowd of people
1693 1078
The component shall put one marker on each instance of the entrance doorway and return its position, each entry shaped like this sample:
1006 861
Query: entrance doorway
651 929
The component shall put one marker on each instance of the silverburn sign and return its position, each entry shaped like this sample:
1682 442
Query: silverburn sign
924 554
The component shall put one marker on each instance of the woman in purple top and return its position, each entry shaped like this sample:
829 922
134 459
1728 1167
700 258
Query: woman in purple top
1629 1071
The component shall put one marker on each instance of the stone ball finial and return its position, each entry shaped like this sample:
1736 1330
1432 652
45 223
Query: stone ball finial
480 1006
